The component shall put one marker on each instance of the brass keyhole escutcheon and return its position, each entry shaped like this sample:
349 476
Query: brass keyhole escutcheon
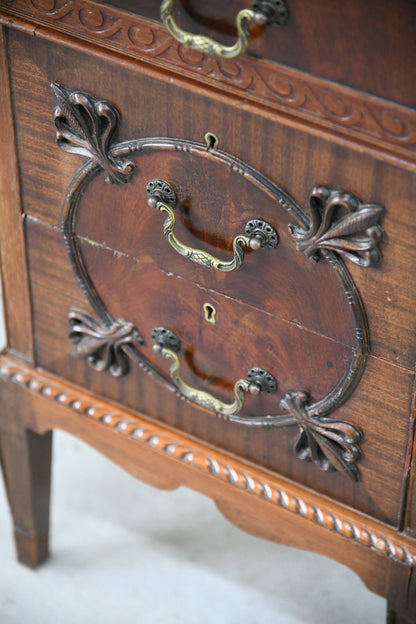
211 140
210 313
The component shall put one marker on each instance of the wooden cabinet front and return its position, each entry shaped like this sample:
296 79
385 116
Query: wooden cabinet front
331 332
208 263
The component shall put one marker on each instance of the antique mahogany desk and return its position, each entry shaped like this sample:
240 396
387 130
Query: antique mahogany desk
207 248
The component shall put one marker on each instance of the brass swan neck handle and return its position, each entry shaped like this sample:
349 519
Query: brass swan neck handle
264 12
258 379
258 233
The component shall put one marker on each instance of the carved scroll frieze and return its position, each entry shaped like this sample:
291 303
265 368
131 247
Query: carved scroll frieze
284 88
339 224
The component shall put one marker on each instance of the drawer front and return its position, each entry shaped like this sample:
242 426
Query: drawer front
216 199
379 409
138 277
339 41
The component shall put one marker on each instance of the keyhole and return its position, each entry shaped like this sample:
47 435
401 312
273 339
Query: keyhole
211 140
209 313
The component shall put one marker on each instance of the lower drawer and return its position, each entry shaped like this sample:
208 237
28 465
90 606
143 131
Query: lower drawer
379 409
128 281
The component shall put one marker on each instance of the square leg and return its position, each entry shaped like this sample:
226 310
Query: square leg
26 463
401 601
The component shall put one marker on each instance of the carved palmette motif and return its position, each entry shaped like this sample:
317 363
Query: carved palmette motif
103 345
330 444
338 225
85 125
341 222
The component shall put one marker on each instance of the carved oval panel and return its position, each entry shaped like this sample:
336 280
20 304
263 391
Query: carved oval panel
234 275
217 196
299 319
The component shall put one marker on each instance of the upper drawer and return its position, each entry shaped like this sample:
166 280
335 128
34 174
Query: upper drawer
336 40
304 68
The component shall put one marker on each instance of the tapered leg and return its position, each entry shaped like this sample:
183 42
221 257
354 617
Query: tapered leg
396 618
26 463
401 602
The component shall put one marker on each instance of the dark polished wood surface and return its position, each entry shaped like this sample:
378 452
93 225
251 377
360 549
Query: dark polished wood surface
335 40
281 310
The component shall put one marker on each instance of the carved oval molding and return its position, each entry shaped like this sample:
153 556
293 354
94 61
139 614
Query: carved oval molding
125 151
338 224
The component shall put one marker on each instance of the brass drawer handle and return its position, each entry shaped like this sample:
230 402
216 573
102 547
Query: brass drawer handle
264 12
259 233
167 343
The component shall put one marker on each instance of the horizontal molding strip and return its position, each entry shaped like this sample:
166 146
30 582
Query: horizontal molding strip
362 116
257 483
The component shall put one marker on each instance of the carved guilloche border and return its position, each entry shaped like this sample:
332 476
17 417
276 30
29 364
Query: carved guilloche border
328 104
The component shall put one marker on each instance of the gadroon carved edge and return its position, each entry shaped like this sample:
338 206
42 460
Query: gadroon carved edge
218 465
338 224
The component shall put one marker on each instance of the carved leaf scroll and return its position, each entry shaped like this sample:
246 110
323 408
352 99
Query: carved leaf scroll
331 444
103 346
341 222
85 125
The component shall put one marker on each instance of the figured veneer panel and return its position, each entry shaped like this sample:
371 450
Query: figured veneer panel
379 406
215 203
215 356
296 158
14 286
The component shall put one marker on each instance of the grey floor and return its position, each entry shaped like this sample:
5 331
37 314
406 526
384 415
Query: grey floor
125 553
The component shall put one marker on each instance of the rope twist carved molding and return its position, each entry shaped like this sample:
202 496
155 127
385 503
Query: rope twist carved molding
284 88
225 470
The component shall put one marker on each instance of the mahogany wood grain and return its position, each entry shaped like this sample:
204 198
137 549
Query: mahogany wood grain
54 291
138 421
13 262
150 298
214 204
283 155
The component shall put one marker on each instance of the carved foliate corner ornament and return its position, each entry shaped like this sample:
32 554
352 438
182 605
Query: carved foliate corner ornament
103 345
339 225
342 223
330 444
85 125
